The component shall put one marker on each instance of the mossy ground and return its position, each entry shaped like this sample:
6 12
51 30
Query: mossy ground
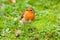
46 25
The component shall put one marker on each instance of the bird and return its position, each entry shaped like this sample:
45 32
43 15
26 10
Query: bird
28 15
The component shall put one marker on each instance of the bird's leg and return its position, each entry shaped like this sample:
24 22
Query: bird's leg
30 21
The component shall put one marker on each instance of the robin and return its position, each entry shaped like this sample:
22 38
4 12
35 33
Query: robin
28 15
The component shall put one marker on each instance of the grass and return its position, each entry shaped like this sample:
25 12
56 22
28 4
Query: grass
46 25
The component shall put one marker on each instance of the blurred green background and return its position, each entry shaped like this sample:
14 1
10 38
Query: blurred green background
46 25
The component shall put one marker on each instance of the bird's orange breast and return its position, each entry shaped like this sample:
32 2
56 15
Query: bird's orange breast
29 16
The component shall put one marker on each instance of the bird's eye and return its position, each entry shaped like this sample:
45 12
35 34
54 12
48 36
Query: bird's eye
30 10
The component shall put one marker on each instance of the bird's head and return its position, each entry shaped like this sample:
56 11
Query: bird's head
30 9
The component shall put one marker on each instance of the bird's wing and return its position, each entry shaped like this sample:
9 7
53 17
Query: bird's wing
22 15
